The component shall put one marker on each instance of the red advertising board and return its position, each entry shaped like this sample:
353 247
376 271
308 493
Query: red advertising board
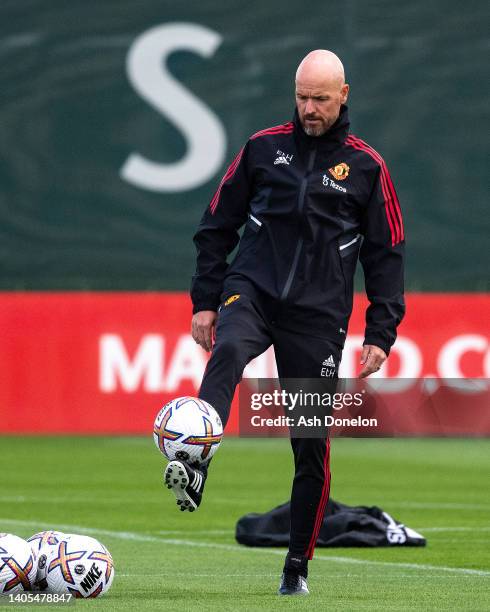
106 362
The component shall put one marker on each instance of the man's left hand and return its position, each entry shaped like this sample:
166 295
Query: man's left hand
372 359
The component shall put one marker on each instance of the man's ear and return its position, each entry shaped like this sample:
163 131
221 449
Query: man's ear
344 93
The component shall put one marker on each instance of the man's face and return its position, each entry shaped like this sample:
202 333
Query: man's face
318 103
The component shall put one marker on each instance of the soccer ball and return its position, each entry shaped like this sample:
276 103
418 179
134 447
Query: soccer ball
17 565
188 428
44 538
41 543
79 565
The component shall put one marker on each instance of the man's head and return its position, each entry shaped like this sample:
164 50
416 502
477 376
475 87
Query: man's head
320 91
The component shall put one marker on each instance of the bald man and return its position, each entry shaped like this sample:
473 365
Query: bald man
314 198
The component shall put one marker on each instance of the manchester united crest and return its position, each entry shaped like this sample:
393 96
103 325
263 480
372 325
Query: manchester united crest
232 298
340 171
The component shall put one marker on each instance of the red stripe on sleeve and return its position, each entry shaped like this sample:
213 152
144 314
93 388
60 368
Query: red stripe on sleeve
392 206
285 128
228 174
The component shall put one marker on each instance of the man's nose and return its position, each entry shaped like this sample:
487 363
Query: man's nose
310 106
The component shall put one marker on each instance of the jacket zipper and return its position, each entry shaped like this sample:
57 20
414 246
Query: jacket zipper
301 203
341 265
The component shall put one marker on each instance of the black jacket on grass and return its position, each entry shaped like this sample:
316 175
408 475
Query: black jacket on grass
311 207
342 525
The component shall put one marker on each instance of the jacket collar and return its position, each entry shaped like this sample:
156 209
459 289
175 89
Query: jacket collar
335 135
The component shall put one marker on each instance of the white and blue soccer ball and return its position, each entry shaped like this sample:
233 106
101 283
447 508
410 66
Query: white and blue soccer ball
44 538
17 565
188 428
41 543
78 565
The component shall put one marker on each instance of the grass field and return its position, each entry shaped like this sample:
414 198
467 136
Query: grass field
166 560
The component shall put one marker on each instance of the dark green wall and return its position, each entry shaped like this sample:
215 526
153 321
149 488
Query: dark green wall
69 119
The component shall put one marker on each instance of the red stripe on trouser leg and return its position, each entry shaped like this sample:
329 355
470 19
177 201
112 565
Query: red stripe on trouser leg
322 504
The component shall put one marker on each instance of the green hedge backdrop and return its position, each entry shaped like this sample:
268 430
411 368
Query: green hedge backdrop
173 89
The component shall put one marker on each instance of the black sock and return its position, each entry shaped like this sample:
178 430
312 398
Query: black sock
297 564
204 468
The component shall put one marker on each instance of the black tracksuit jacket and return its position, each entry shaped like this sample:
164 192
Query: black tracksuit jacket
311 206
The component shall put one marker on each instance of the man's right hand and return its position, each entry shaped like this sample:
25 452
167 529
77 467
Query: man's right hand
202 328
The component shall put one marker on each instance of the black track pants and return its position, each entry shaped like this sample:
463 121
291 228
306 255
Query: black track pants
243 333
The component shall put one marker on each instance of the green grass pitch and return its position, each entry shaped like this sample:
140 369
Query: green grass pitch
167 560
